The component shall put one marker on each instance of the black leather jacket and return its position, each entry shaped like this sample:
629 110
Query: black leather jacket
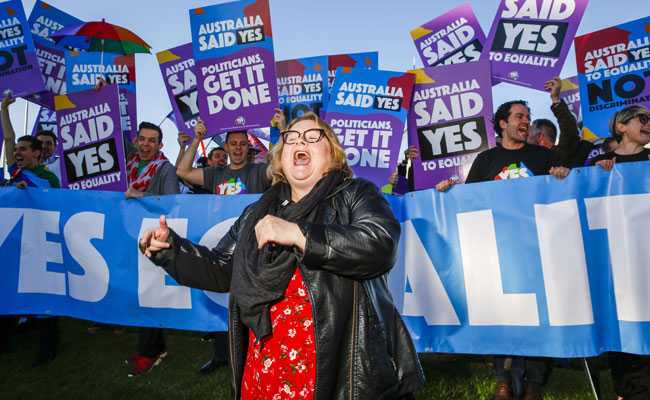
363 349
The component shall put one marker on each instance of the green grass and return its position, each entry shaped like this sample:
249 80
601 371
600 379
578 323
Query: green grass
92 367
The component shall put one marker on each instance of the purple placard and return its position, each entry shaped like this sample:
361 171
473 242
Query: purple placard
250 98
83 69
43 21
367 111
450 121
452 38
52 63
46 121
232 44
529 40
91 148
19 71
179 74
570 93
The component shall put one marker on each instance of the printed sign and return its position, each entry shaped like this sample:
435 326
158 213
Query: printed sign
302 85
453 38
530 39
348 61
367 110
45 20
613 71
570 94
19 71
83 69
45 121
450 121
179 73
233 48
91 143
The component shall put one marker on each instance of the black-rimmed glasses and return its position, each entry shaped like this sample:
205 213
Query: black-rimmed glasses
310 136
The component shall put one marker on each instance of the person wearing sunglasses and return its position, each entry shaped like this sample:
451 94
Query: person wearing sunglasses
310 313
630 127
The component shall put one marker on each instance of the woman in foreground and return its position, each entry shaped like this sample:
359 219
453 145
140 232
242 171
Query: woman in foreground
310 312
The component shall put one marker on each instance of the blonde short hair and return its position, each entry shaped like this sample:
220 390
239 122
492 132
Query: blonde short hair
339 159
623 117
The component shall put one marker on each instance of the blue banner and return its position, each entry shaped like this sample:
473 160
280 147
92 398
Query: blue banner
531 266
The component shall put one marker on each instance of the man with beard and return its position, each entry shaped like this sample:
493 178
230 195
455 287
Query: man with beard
515 158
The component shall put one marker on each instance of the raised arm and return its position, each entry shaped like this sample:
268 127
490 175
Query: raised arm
184 168
569 133
8 129
183 140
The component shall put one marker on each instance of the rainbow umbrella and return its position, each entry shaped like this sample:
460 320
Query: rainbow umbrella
100 36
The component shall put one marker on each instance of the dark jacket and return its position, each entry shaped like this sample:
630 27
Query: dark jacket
363 349
570 150
164 181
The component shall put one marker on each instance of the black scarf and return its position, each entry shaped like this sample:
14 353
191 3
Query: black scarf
259 277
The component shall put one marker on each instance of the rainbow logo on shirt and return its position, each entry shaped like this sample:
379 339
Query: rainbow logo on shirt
513 171
231 186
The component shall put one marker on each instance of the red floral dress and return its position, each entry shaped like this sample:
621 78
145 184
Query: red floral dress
283 365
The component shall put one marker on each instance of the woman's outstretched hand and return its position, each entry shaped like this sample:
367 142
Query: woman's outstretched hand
155 240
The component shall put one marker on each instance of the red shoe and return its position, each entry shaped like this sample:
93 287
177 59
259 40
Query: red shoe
140 365
503 392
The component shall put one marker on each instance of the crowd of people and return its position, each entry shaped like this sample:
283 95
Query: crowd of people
306 263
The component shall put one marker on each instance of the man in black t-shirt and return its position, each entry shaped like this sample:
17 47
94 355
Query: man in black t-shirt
514 158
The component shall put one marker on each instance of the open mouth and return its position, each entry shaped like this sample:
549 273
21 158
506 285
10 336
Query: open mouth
523 129
301 158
